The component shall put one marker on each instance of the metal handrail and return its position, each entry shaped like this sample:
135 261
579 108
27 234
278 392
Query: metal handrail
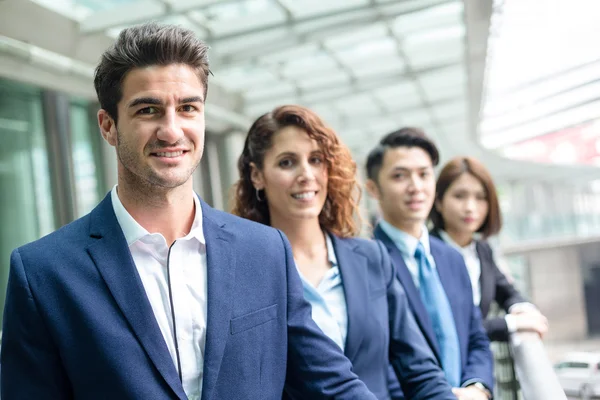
534 369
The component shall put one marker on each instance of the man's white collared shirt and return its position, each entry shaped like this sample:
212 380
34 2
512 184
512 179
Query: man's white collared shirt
186 260
407 245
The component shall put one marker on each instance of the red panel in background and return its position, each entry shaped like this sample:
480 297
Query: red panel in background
579 144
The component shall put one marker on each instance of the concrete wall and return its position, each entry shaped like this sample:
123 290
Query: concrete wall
556 286
557 272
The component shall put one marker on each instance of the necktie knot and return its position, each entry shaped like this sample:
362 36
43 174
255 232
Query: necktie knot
419 251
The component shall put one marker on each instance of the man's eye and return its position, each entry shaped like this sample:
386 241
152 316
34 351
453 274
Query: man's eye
148 110
188 108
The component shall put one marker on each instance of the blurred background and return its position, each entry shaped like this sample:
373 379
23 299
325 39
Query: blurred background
515 83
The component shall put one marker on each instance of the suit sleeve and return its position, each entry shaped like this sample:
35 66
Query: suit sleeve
317 368
480 361
506 293
31 365
506 296
411 357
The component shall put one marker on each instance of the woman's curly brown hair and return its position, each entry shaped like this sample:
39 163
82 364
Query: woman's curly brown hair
340 214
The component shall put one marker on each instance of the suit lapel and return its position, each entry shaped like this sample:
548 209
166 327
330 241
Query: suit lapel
486 280
113 260
414 297
353 268
221 275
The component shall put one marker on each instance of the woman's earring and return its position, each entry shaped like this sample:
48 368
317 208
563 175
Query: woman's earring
258 195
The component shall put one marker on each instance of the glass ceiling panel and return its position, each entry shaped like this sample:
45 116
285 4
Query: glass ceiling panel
431 18
430 56
80 9
240 25
376 68
367 50
256 109
451 76
241 78
540 53
282 89
446 92
540 109
358 104
402 94
299 67
329 24
238 46
233 10
418 117
349 39
316 96
550 123
303 51
435 36
530 94
307 8
316 82
562 32
450 110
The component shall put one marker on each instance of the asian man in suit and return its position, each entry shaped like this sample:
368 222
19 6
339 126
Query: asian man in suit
154 294
401 177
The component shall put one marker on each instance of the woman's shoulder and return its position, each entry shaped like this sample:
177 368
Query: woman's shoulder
366 246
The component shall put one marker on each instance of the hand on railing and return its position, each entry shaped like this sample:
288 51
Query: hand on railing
529 320
469 393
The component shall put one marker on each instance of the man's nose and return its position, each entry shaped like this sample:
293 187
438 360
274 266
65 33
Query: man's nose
416 182
170 130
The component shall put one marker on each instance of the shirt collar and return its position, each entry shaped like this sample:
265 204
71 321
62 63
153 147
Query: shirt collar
330 251
471 247
133 231
407 244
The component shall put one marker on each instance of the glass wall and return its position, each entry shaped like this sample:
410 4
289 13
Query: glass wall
545 210
85 138
26 208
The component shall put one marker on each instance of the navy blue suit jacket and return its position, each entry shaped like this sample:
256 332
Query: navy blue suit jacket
494 287
381 327
476 356
78 324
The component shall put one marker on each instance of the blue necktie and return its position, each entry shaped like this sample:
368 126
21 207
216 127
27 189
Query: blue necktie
440 313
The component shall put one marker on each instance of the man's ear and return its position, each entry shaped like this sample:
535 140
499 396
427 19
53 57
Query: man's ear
373 189
256 176
108 127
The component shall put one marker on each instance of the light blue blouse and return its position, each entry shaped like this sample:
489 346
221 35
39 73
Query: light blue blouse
328 300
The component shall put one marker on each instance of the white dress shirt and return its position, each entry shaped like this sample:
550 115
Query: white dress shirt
469 253
187 264
407 245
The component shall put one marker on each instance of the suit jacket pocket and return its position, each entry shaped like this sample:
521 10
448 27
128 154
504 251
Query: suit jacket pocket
253 319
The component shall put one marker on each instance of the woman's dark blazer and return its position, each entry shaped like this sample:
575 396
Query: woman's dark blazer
381 328
494 287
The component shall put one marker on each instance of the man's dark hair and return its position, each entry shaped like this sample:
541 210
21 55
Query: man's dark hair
404 137
142 46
